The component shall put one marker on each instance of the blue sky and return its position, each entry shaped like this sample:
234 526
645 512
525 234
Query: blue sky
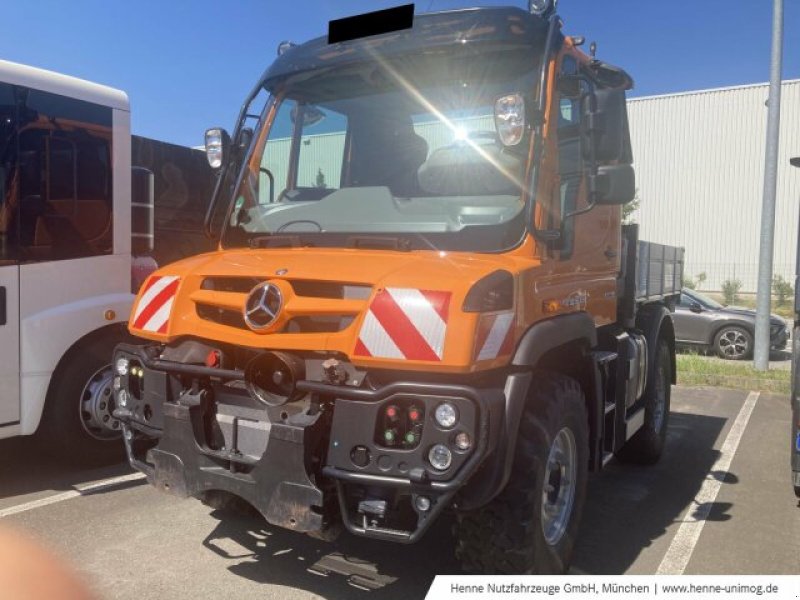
187 65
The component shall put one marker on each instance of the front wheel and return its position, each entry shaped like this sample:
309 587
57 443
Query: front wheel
78 422
733 343
530 527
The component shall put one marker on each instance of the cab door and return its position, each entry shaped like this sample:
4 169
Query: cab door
9 346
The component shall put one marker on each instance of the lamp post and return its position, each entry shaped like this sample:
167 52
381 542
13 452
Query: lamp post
764 296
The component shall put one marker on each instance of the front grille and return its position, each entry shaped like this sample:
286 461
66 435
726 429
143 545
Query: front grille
241 285
302 287
221 300
330 289
222 316
319 324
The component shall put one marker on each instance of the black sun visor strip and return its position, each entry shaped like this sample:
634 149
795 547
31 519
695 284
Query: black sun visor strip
373 23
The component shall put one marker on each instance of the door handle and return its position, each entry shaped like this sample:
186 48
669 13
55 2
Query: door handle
2 305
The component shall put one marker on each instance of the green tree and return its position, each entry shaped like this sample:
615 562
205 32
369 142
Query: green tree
730 290
320 179
782 289
630 208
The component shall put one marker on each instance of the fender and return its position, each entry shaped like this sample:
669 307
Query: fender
46 336
729 321
655 320
539 339
552 333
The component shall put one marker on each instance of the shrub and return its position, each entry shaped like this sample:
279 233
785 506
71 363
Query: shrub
694 282
730 290
782 289
701 278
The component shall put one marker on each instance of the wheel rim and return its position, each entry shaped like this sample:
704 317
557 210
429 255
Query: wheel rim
733 343
558 493
97 405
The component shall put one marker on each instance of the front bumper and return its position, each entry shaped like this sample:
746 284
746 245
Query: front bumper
301 464
779 338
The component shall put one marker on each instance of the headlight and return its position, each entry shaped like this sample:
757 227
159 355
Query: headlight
509 118
446 415
462 441
214 150
121 366
539 7
440 457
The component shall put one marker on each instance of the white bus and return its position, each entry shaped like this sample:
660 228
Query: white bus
65 255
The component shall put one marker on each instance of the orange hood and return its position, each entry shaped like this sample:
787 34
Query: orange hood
384 309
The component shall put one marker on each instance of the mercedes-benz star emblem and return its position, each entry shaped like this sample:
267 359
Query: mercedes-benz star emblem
263 306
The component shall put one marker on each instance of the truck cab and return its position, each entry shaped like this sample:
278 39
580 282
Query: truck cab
423 298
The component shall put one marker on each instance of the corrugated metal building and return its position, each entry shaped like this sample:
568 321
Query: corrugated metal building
699 160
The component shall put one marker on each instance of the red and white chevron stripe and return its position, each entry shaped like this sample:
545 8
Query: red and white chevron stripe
495 336
405 323
155 303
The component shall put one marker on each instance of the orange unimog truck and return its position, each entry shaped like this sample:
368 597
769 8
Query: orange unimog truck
423 298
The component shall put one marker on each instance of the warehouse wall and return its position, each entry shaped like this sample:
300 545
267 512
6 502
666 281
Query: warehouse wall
699 159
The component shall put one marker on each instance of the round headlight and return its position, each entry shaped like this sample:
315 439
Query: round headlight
446 415
462 441
538 7
440 457
121 366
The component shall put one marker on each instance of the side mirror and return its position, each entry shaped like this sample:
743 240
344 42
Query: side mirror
613 184
695 307
218 144
606 125
311 114
142 213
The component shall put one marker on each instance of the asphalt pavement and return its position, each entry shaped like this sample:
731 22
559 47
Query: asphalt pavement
719 502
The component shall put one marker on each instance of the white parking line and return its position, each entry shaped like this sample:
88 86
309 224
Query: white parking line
80 490
680 550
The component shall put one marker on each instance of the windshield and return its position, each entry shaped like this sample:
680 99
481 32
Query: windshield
407 152
703 300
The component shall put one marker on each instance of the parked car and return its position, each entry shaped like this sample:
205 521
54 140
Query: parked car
702 322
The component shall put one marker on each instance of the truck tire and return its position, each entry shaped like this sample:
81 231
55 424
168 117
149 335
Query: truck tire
77 423
647 444
530 527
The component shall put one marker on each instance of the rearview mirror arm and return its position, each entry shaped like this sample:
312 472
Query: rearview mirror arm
548 236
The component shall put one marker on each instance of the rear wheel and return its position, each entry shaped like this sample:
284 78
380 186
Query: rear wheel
647 444
733 342
531 526
78 422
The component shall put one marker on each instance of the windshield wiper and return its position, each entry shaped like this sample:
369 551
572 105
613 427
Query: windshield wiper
375 242
276 241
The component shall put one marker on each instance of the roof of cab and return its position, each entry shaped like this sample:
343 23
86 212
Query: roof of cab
64 85
510 25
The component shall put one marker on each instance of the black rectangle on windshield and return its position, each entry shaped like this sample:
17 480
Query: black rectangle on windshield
373 23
